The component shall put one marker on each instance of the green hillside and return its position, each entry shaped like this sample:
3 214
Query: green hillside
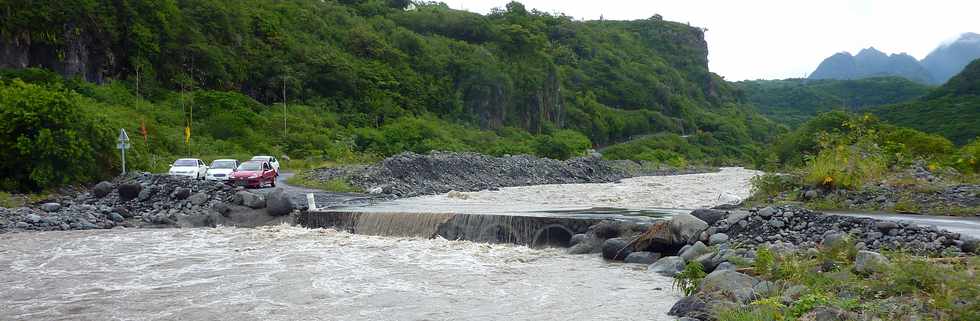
793 101
363 79
952 110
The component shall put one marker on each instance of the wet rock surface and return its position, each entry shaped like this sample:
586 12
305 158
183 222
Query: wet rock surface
410 174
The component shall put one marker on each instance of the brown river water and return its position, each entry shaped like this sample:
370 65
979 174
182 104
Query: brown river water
292 273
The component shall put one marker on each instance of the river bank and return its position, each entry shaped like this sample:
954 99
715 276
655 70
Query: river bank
410 174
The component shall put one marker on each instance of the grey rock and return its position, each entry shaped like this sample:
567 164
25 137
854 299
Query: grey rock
867 262
590 245
695 250
718 238
278 203
708 215
833 238
709 261
685 228
616 249
811 194
736 216
32 218
50 207
730 282
606 230
102 189
251 199
726 266
886 226
129 191
221 208
764 288
767 211
198 198
642 257
692 307
667 266
145 194
22 225
577 238
181 193
777 223
115 217
122 211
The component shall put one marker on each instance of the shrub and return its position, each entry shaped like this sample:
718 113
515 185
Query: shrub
690 279
562 144
770 184
47 141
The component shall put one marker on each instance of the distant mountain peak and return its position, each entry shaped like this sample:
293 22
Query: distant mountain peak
942 63
949 59
871 51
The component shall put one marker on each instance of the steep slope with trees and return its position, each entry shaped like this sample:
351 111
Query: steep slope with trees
370 77
793 101
952 110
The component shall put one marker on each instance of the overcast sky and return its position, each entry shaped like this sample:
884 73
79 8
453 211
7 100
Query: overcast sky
774 39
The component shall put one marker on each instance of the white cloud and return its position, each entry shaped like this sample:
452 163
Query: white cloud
771 39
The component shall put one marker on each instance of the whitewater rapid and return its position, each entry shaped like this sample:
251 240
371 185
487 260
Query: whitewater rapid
293 273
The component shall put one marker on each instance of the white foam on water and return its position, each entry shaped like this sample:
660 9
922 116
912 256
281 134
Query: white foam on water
692 191
291 273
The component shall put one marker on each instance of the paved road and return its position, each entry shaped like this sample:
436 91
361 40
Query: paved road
969 226
323 199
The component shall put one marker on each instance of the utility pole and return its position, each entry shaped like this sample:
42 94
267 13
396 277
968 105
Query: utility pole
284 105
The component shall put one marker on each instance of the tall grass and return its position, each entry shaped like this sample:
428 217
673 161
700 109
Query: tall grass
846 166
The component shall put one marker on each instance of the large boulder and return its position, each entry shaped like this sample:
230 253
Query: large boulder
718 238
867 262
577 238
102 189
694 251
198 198
181 193
692 306
616 249
607 230
585 246
709 216
642 257
278 203
728 282
250 199
50 207
129 191
685 228
667 266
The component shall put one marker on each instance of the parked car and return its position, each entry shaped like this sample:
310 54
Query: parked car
189 167
272 161
255 174
221 169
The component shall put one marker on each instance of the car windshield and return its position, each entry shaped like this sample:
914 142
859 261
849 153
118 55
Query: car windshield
185 162
260 158
223 164
250 166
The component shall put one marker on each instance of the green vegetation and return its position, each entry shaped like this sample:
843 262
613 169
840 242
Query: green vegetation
332 185
950 110
368 79
690 278
909 286
794 101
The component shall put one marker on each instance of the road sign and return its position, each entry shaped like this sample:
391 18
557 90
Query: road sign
122 146
122 135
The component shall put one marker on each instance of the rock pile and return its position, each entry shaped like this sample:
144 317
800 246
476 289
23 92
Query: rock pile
707 237
144 200
410 174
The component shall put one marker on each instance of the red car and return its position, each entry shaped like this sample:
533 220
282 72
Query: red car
255 174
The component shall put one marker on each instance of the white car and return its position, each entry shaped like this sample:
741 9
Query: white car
270 159
221 169
189 167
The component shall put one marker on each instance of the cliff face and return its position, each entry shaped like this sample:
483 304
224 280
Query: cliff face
78 55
